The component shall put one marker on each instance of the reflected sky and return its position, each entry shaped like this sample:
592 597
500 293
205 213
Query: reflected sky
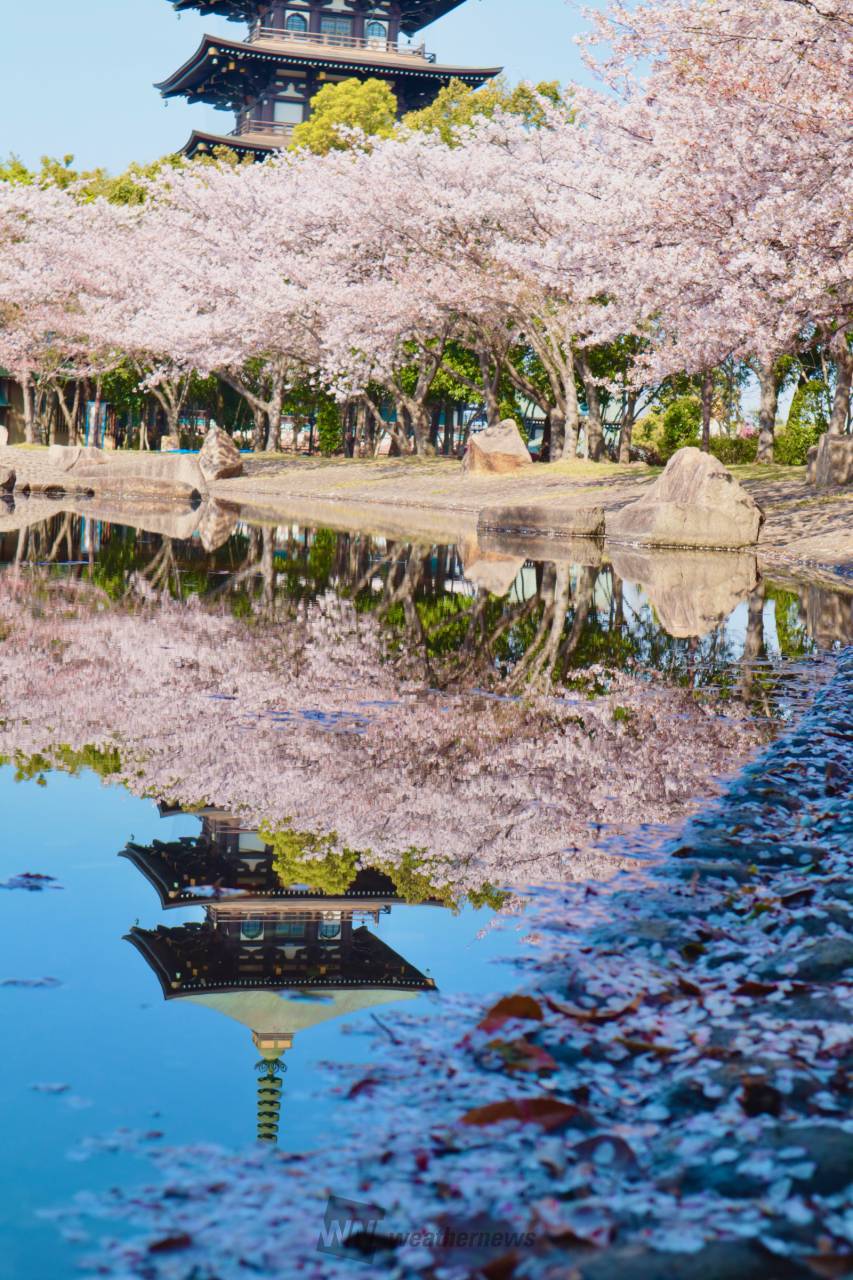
129 1058
104 1049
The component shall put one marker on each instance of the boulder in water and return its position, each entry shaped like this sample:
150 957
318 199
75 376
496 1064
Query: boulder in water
692 592
695 503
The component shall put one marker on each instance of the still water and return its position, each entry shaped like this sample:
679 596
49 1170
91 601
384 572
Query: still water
262 789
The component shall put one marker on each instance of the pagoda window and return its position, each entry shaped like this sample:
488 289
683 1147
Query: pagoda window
337 28
377 33
329 929
290 929
296 22
288 112
250 930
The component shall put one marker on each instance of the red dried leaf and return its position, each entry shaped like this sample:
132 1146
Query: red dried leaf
752 988
171 1244
595 1015
525 1008
521 1055
363 1086
547 1112
829 1266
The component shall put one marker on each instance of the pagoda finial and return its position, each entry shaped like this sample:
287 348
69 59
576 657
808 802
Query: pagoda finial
270 1084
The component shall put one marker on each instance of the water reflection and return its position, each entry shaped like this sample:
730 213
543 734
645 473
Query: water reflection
480 741
277 956
498 604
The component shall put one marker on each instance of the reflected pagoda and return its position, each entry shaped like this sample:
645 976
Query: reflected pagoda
293 49
277 958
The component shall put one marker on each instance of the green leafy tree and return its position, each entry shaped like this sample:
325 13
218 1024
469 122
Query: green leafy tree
330 430
458 106
365 105
302 858
682 422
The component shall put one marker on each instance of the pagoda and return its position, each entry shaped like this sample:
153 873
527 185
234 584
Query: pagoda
293 49
278 958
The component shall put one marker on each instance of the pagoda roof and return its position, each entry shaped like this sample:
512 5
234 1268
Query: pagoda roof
180 869
197 960
265 1013
232 72
416 14
257 145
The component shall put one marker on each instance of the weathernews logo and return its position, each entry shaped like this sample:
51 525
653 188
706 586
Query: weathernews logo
354 1231
351 1230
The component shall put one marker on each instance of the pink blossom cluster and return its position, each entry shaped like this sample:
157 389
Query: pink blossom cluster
697 203
307 723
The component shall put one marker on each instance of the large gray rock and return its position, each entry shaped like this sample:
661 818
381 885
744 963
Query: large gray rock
138 472
217 523
587 552
832 463
546 519
169 443
7 479
695 503
692 591
68 457
830 616
219 458
497 450
489 570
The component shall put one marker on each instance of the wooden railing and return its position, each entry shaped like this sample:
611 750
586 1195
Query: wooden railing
332 40
275 128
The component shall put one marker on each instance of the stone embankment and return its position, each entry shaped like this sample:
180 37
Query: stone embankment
541 512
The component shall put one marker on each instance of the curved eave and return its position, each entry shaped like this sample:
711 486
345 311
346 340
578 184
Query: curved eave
200 141
416 14
199 69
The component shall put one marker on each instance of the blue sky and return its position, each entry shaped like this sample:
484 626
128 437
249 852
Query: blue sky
78 77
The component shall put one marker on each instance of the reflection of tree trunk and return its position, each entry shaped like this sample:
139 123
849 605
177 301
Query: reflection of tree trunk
268 573
64 533
582 605
618 597
753 652
542 649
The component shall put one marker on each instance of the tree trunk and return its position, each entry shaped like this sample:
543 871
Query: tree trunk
707 407
491 380
594 424
555 434
769 384
627 434
421 420
449 422
27 390
259 429
840 418
573 415
96 415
